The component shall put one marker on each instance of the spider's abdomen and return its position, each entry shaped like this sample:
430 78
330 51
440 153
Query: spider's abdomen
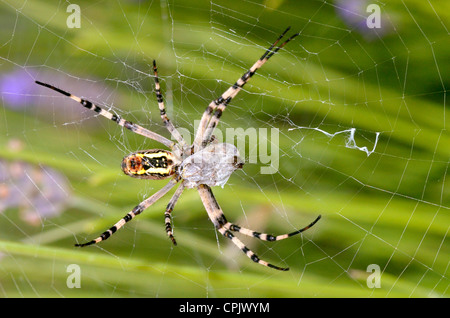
149 164
211 166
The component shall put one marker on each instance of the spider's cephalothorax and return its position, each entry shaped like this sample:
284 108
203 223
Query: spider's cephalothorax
211 166
202 165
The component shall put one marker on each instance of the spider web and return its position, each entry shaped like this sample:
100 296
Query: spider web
350 123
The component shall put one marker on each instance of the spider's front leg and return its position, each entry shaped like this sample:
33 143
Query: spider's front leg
268 237
213 112
218 218
224 227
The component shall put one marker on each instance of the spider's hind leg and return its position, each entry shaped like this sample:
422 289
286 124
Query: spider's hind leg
132 214
168 213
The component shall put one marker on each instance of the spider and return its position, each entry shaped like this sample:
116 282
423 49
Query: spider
202 165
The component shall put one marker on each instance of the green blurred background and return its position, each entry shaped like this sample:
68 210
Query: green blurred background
60 164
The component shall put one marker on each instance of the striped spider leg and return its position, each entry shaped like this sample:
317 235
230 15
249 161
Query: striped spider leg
209 120
115 118
162 109
225 228
168 212
132 214
151 164
202 165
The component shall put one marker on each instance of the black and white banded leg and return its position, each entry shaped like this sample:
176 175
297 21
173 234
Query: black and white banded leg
264 236
162 109
168 212
132 214
217 217
209 120
115 118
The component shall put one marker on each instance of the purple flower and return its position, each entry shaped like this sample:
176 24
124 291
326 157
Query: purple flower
38 192
354 14
18 89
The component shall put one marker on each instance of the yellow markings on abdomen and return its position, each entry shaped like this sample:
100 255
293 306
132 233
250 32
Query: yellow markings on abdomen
149 164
